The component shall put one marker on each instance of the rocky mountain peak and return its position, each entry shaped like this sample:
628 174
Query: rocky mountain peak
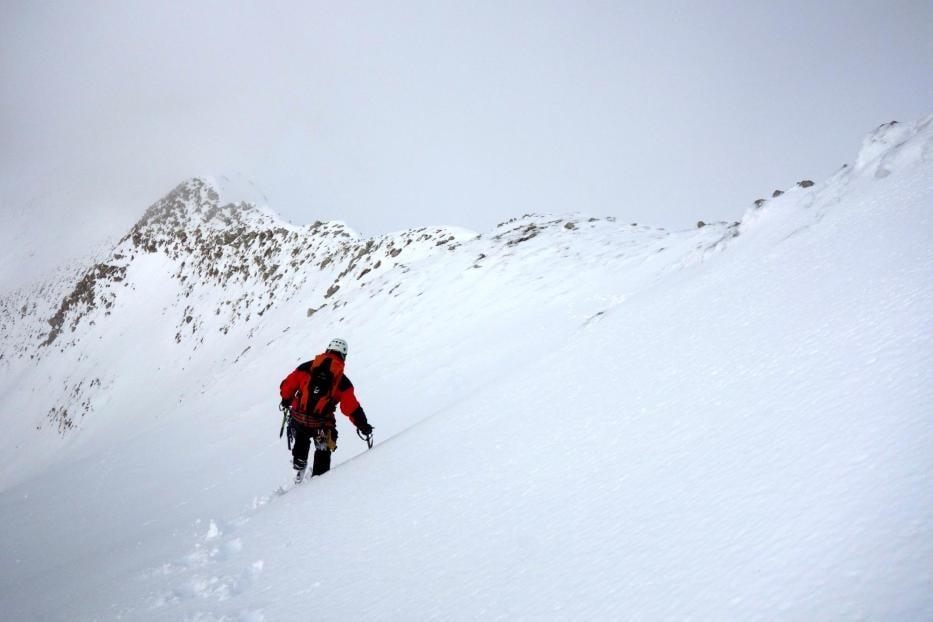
197 203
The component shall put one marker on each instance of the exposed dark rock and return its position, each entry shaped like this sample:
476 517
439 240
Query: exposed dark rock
83 298
528 233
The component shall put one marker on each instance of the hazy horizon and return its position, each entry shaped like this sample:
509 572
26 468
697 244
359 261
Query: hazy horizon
463 114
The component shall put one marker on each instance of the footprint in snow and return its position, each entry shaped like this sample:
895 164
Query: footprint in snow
216 545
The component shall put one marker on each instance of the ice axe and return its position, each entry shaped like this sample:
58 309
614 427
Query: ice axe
367 438
286 415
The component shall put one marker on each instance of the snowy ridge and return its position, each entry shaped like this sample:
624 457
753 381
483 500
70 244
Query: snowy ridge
228 264
575 418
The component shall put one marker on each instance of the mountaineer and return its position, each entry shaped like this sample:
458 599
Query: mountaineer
310 396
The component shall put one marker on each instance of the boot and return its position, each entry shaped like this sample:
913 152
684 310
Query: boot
300 467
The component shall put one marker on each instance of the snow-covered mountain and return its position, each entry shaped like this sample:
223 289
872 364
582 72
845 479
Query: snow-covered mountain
575 417
204 273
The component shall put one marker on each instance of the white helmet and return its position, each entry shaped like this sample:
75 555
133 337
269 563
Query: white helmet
339 346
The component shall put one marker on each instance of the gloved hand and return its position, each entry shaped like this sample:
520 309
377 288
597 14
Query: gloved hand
286 403
364 428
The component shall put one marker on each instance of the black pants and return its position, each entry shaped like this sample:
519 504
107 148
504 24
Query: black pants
303 439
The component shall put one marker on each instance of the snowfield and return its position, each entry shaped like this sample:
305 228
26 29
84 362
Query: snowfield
575 418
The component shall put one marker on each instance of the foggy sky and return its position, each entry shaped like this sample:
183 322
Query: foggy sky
392 115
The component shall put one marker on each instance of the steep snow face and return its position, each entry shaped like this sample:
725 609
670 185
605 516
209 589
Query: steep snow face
576 418
206 274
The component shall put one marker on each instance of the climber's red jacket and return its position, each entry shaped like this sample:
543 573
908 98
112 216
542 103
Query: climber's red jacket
319 413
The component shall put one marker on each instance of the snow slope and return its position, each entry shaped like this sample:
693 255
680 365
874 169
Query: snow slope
575 418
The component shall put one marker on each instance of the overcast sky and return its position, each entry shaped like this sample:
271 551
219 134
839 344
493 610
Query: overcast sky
392 115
